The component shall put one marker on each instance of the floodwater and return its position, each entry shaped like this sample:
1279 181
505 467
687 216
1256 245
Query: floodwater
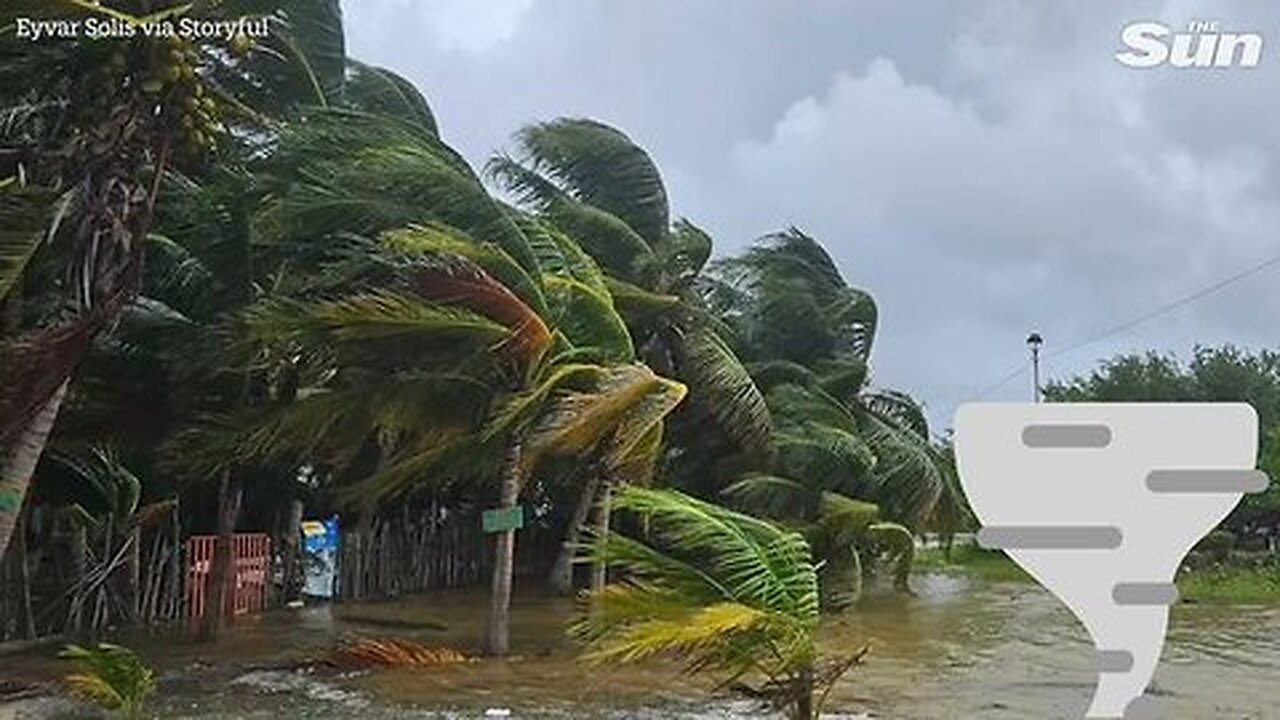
961 648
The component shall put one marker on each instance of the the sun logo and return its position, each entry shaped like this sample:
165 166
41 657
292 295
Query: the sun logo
1151 44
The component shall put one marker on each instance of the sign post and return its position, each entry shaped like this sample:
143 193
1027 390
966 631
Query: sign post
502 520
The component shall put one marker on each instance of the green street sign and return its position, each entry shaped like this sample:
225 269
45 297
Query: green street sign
496 521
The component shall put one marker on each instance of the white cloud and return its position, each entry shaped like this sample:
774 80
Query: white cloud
984 168
469 26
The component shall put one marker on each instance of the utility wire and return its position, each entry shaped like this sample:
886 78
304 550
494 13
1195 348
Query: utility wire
1004 380
1129 324
1167 308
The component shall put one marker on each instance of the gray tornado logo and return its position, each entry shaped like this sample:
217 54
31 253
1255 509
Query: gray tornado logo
1100 503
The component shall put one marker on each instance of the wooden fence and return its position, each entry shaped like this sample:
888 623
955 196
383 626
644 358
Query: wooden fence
63 576
405 553
63 579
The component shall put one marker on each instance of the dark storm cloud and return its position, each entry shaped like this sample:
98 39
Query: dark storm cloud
984 167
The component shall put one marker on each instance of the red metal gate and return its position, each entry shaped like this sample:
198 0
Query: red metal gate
251 558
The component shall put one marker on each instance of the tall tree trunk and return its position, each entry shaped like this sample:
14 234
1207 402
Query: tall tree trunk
79 569
600 569
173 599
221 572
23 588
562 572
132 575
291 552
20 462
497 640
803 709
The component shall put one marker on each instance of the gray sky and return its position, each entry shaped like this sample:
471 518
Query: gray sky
983 167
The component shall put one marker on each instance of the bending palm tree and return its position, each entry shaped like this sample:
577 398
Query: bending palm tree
593 183
454 374
724 592
90 130
847 455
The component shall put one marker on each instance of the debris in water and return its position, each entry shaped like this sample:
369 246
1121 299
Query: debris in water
393 652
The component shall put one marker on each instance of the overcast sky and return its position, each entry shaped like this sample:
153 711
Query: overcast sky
984 168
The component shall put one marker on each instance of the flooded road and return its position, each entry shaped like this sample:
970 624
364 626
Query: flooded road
962 648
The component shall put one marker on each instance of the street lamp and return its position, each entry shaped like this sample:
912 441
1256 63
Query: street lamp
1034 341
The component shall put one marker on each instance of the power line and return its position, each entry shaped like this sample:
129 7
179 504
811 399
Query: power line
1168 307
1129 324
1004 380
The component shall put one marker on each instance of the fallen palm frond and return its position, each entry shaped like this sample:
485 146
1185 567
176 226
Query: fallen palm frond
111 676
393 652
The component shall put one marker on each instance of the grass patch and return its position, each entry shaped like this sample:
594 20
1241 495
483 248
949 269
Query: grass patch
1227 585
990 565
1246 583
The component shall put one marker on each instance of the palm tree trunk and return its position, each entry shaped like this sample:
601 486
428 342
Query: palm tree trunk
498 634
79 569
20 464
132 576
24 576
803 709
221 572
291 551
562 572
600 569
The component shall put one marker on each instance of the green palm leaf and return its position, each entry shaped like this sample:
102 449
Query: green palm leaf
600 166
621 409
24 225
587 319
437 239
383 92
724 387
558 254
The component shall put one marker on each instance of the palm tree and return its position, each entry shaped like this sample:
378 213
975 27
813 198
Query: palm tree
215 255
444 353
89 131
856 467
725 592
592 182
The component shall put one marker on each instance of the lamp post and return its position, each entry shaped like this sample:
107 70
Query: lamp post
1034 341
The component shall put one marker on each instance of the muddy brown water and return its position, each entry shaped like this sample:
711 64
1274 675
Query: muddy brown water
961 648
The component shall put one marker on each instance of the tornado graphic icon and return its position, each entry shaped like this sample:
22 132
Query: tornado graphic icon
1100 503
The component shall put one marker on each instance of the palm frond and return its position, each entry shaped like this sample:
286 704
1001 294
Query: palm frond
349 171
621 409
600 166
777 372
687 250
724 387
909 476
523 408
588 319
845 520
559 254
898 408
456 281
759 563
381 91
826 457
606 238
439 240
639 463
110 675
638 304
774 496
24 226
370 316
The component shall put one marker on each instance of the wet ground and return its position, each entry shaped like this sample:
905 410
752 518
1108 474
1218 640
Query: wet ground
961 648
